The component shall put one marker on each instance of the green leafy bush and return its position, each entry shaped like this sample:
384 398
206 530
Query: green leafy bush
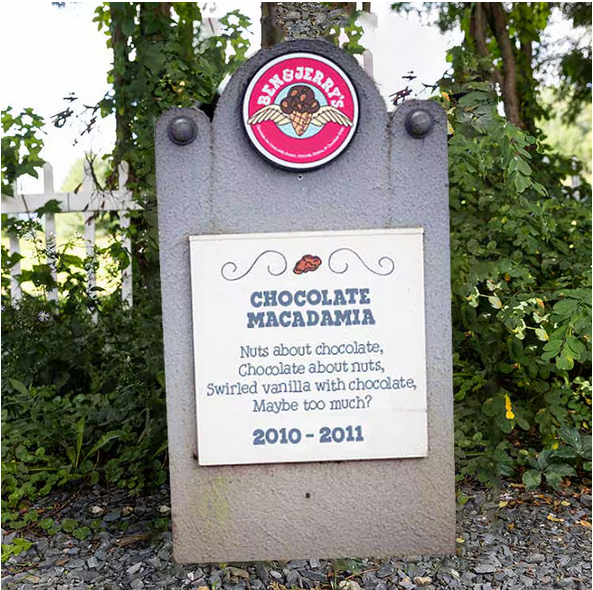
521 283
80 398
82 378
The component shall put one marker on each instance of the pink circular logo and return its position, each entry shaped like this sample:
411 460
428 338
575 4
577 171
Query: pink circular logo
300 111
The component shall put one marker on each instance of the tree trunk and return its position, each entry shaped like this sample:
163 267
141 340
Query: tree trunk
526 85
271 33
348 8
497 19
120 12
477 31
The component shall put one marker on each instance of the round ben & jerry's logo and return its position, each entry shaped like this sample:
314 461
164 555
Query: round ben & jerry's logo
300 111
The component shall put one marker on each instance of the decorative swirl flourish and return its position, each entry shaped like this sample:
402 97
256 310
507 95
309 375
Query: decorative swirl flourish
384 261
230 268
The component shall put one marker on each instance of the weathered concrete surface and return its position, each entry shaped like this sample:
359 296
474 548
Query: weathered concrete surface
218 184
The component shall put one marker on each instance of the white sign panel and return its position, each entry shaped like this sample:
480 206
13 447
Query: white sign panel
309 346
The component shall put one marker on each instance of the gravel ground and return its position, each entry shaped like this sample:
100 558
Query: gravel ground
508 540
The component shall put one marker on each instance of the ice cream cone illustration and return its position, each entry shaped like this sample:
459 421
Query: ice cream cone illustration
300 122
300 108
300 105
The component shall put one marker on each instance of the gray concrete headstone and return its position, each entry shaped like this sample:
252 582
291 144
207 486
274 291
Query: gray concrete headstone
392 175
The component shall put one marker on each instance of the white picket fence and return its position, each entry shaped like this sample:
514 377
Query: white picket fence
88 200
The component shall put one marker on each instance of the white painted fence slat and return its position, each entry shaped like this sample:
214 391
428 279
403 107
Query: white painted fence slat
50 246
14 247
89 242
126 278
50 228
90 202
124 220
70 202
48 179
16 293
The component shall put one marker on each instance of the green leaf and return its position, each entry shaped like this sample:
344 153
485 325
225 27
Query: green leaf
68 525
51 206
46 523
107 437
575 346
524 167
79 438
532 479
561 469
554 479
521 182
19 386
565 453
572 437
554 346
565 361
543 459
565 307
82 533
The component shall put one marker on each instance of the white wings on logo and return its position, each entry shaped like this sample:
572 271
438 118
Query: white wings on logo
324 115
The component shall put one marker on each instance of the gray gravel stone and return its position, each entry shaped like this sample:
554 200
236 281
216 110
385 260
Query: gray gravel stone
297 564
485 568
313 575
407 584
369 580
112 516
92 562
293 578
262 572
88 575
534 553
133 569
386 570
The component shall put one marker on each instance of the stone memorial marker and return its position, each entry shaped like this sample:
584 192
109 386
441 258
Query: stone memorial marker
304 238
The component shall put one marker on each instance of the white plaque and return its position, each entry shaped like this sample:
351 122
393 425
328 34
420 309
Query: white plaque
309 346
